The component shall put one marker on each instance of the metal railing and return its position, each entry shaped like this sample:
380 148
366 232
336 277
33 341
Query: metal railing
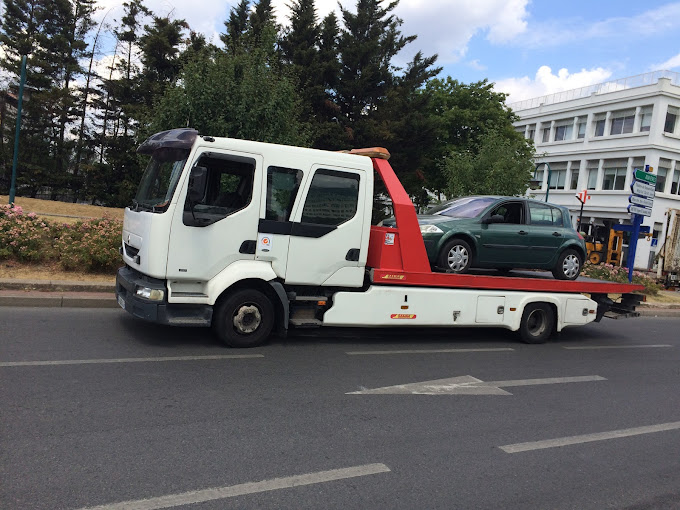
630 82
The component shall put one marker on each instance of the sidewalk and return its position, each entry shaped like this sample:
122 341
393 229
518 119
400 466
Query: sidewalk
84 294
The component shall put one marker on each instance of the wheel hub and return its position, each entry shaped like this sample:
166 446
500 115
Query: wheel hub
247 319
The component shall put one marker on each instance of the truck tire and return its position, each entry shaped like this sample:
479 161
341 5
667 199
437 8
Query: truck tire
244 318
568 266
455 257
538 322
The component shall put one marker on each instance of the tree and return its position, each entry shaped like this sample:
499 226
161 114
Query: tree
473 126
236 26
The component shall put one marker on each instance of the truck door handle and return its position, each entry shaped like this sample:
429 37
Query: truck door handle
557 234
352 255
522 232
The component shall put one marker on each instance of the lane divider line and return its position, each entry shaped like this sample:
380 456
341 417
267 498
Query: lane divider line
125 360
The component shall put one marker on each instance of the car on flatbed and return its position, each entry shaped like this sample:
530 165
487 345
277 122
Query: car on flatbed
501 233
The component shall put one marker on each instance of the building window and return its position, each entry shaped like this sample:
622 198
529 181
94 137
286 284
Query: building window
531 133
537 181
614 178
564 132
521 129
645 118
574 180
557 179
546 134
674 184
661 178
582 121
622 122
592 178
599 127
671 117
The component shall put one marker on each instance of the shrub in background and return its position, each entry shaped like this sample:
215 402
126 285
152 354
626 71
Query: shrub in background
24 236
620 274
90 245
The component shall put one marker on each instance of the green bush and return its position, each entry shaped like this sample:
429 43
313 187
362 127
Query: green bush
620 274
86 245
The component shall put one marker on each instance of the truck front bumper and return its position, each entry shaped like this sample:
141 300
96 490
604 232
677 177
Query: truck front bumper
128 281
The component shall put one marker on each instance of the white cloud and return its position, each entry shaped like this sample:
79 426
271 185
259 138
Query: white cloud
671 63
545 82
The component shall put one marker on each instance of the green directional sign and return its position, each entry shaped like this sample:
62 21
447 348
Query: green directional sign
641 175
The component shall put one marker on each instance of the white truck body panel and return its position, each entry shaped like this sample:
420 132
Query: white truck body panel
414 306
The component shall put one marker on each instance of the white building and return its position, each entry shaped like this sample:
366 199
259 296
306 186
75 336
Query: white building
595 137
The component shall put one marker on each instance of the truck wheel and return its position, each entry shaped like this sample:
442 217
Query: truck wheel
456 256
538 322
568 265
244 319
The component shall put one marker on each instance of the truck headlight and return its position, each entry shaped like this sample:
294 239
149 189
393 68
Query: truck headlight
150 294
430 229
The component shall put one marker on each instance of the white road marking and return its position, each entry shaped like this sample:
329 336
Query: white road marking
429 351
587 438
125 360
589 347
468 385
200 496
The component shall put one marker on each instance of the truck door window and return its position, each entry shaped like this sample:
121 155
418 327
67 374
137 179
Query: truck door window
229 189
332 198
282 188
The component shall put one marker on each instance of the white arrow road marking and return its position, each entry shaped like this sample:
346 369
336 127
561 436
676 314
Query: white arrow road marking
588 438
200 496
468 385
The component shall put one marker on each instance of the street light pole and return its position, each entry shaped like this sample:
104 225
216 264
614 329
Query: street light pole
547 193
22 81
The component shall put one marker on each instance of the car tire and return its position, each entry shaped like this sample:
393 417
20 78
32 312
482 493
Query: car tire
455 257
568 265
538 323
244 319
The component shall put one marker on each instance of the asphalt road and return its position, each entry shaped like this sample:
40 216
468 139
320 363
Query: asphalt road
98 409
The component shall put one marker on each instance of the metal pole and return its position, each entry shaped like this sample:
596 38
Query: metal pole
632 247
22 81
580 216
547 193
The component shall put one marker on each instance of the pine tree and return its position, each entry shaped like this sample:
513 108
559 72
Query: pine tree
236 27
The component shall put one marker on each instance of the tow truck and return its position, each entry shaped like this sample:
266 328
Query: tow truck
251 238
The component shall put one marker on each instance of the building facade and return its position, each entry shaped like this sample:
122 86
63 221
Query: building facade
594 139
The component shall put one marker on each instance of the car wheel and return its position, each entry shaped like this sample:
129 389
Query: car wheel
456 256
568 265
244 319
538 322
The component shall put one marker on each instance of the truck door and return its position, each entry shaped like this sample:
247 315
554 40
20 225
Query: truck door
327 228
221 227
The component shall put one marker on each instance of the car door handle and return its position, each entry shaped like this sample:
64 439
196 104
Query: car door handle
522 232
557 234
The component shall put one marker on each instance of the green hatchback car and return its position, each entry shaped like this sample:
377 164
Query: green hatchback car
502 233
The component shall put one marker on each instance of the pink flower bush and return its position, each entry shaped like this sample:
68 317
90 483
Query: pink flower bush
619 274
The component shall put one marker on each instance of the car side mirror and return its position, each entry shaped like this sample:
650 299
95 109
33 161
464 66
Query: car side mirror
197 183
496 218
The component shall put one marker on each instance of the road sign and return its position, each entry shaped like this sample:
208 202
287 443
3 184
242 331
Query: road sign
644 202
645 176
642 211
642 189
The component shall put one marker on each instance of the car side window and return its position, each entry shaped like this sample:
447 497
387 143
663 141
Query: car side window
543 214
512 212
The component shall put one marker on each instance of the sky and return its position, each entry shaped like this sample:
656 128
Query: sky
527 48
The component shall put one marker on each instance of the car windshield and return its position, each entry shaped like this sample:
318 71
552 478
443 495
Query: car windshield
160 179
468 207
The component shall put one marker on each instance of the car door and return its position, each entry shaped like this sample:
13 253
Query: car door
546 232
506 243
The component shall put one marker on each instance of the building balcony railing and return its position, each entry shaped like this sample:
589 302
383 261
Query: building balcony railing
630 82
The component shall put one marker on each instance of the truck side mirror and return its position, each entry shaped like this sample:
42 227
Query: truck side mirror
197 183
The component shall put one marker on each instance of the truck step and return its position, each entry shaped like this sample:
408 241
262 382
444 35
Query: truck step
306 323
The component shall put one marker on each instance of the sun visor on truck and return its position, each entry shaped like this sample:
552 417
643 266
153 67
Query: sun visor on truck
182 138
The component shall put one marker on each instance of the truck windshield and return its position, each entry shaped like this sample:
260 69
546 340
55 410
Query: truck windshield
160 179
